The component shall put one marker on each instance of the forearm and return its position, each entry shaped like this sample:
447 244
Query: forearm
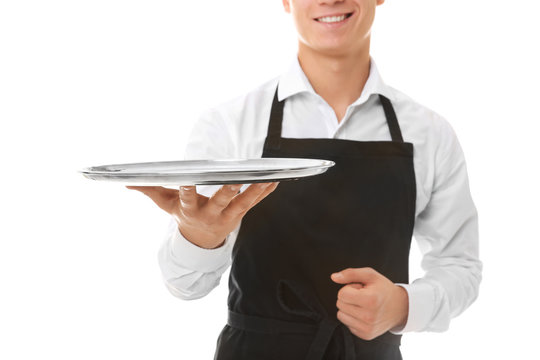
442 294
191 272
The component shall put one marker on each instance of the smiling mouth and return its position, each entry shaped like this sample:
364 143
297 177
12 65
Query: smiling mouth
333 19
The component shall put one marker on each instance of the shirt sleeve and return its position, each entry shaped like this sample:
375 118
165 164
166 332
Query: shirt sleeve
189 271
447 234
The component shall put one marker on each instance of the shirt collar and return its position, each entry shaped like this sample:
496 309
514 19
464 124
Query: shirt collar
294 81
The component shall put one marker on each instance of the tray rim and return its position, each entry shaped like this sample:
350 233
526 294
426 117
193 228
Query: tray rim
89 170
209 177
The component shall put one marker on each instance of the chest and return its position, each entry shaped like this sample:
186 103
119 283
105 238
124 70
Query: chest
317 119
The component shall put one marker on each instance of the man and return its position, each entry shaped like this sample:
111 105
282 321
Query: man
320 267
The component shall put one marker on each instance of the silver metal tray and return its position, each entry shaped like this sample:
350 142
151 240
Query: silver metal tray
208 172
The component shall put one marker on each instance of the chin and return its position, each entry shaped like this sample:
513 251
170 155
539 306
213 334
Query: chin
333 49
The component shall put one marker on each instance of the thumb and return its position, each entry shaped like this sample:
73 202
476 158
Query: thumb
166 199
357 275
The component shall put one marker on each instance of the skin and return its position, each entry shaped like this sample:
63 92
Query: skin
335 59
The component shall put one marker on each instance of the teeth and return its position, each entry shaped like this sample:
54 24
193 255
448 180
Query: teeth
331 19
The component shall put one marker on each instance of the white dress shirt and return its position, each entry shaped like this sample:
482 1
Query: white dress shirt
446 224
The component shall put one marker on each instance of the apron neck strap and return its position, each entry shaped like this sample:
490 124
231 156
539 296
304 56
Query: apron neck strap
391 119
274 126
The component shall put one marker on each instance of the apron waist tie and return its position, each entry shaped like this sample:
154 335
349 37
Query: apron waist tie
323 332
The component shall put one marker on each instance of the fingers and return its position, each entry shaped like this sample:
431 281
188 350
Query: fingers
358 275
349 320
360 314
249 198
154 191
221 198
347 308
355 316
349 294
265 193
357 327
225 201
364 298
165 198
356 285
362 322
145 189
188 198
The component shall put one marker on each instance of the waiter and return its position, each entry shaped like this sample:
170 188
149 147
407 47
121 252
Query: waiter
319 269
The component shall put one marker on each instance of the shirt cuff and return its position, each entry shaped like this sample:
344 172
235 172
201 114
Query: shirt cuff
196 258
421 307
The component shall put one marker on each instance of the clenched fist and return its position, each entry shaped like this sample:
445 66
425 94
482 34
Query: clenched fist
370 304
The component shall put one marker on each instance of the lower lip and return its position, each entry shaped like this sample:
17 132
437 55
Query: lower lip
335 24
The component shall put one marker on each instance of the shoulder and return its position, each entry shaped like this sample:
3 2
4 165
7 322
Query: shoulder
241 108
426 128
236 127
416 113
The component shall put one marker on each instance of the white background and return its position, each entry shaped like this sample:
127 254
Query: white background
97 82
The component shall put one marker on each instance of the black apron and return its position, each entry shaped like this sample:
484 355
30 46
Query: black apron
360 213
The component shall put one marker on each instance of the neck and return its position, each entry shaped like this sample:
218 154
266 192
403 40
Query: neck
338 79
